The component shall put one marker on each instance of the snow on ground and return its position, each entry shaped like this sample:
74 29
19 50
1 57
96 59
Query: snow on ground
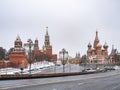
116 67
35 68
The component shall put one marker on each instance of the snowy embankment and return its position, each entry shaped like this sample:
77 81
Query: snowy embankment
35 68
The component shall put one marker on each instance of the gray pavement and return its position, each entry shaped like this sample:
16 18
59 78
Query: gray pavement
107 81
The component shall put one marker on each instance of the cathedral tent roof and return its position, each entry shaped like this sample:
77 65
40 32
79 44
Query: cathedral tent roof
99 45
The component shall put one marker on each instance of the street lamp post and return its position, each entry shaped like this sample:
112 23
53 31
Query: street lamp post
55 67
79 63
29 44
63 57
69 62
6 67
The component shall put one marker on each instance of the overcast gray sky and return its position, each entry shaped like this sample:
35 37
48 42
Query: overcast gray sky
71 23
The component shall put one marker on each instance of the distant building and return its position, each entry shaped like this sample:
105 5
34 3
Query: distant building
114 56
17 56
76 59
97 54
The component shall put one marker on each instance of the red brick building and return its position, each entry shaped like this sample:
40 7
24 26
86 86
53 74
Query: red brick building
97 54
5 64
17 56
19 59
46 50
36 51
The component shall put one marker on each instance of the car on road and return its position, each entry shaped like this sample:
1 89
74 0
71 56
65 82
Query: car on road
89 70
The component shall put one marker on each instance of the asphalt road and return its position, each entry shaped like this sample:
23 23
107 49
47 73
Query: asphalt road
101 81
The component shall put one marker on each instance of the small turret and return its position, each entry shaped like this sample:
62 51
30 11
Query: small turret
18 42
78 55
105 46
89 45
89 49
36 44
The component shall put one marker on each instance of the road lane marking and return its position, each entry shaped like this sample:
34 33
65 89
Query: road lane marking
52 82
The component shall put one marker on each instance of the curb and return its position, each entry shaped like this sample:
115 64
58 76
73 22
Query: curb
33 76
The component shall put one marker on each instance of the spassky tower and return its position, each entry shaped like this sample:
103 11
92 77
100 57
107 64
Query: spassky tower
47 48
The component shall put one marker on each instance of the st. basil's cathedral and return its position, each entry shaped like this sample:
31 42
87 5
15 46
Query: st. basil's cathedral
97 54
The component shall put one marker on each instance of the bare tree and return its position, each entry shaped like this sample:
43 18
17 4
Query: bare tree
2 53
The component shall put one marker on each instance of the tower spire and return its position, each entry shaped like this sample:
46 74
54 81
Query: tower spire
47 38
112 47
96 38
96 41
46 30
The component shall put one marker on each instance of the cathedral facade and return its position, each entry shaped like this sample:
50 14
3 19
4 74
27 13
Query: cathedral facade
97 54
